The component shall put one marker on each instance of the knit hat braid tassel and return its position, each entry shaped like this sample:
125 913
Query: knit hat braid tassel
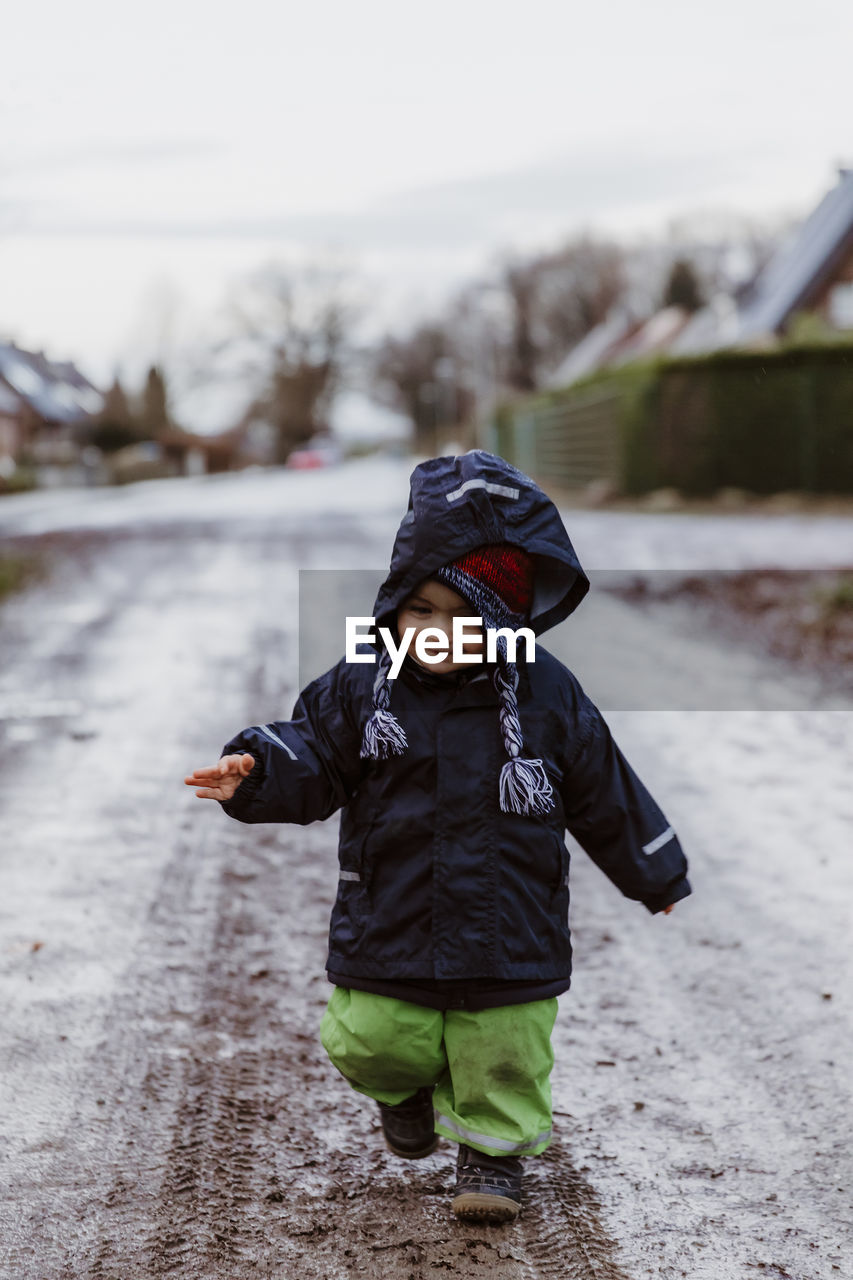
524 786
384 736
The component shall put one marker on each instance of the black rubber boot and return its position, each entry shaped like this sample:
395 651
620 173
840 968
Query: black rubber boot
409 1126
488 1188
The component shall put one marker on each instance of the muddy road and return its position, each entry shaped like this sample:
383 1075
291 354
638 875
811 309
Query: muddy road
166 1108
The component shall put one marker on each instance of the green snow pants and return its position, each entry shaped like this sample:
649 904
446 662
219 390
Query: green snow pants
490 1068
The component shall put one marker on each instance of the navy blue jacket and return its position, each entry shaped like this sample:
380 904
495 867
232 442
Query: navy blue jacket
436 881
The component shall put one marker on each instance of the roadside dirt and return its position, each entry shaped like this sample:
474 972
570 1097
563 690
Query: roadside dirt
803 617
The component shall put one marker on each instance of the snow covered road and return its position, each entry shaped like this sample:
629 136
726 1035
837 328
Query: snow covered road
166 1106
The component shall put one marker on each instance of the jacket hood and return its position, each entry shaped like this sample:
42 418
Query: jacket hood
459 503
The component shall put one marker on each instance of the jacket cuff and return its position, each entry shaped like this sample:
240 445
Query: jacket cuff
673 892
249 787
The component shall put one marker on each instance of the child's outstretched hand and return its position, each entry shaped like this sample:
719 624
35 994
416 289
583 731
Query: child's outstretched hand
221 780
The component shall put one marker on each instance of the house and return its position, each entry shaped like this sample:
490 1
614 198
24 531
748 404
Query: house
43 403
812 273
595 349
621 339
11 432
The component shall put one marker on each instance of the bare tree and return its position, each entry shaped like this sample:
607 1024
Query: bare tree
479 324
416 374
578 285
522 283
292 327
556 298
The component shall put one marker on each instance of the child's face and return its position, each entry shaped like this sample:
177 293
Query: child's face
432 604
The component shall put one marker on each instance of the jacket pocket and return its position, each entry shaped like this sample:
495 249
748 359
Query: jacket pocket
560 878
366 855
353 877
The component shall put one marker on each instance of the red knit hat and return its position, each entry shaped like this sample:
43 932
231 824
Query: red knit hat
503 569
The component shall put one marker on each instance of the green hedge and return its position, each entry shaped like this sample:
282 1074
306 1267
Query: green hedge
22 480
759 421
16 570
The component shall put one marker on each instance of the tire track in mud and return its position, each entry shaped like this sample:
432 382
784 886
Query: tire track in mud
562 1224
220 1169
196 1158
275 1166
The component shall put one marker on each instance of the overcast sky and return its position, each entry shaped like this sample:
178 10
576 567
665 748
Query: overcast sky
152 155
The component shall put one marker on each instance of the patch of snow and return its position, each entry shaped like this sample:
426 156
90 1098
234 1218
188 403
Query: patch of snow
356 418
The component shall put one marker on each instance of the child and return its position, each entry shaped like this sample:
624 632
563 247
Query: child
456 781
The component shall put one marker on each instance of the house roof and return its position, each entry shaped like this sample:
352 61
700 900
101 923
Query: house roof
594 349
654 335
10 404
803 264
56 392
708 329
618 340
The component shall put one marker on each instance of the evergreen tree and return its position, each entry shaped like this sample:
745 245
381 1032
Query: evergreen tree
683 288
115 426
154 418
116 406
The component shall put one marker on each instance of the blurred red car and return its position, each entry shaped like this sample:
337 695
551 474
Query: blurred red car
314 455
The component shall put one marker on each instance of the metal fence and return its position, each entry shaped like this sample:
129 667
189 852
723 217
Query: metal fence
573 443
